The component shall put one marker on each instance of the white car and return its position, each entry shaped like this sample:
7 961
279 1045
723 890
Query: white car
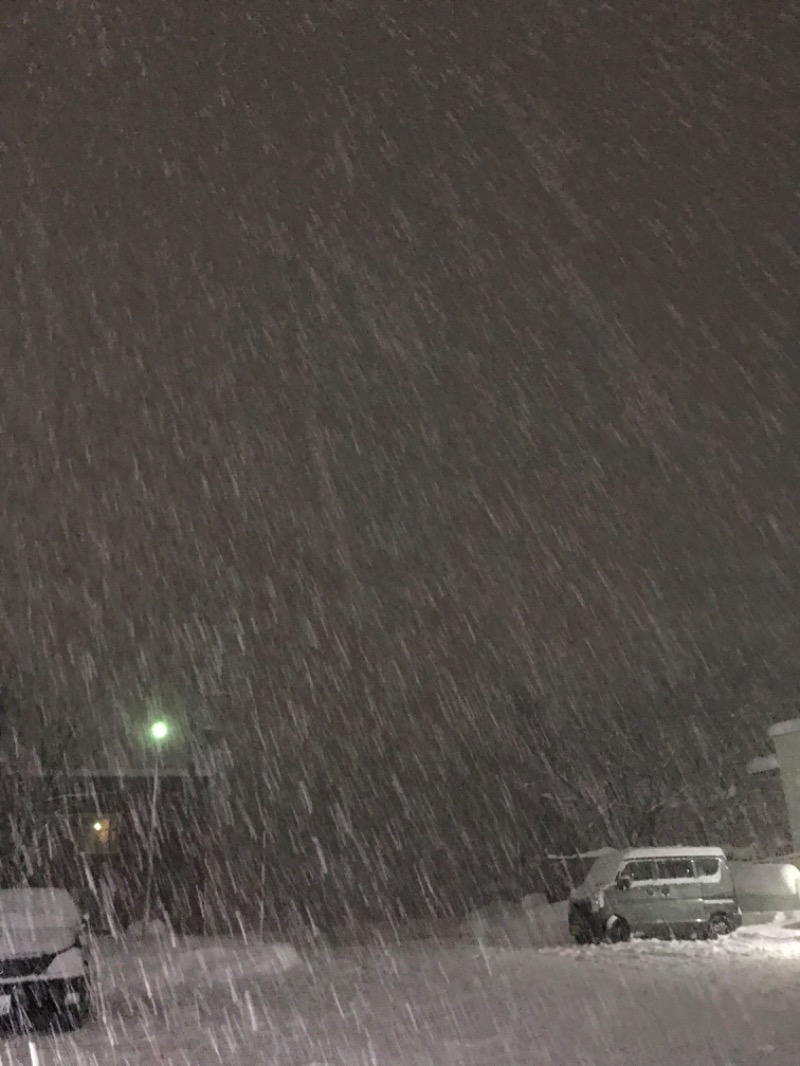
44 958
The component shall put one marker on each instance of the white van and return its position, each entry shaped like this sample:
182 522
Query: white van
44 958
674 892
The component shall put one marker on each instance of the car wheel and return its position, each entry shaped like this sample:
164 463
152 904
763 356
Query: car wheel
718 925
617 930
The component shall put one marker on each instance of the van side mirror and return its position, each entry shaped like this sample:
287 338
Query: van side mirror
623 882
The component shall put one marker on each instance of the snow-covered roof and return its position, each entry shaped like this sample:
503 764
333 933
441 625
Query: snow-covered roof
662 853
763 764
126 772
780 729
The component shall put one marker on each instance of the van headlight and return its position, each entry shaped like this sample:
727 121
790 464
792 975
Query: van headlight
598 900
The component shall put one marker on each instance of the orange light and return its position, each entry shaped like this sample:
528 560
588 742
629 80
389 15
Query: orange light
102 830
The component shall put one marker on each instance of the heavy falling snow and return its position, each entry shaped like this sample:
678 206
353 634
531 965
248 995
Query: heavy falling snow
398 488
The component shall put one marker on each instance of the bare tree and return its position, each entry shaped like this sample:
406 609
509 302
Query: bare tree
628 770
33 749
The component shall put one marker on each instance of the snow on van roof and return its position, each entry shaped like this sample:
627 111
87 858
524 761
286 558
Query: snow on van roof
659 853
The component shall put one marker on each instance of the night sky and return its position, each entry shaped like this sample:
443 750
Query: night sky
358 357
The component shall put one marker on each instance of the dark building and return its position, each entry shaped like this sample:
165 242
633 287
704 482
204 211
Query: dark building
100 840
93 832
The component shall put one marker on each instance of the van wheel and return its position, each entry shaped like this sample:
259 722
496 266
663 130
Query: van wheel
718 925
617 931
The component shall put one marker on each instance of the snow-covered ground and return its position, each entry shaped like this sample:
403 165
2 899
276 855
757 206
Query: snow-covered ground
729 1003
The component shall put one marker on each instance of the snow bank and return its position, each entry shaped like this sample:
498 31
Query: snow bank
529 924
780 925
766 886
140 974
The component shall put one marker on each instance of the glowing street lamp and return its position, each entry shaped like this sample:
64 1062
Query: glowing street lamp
157 732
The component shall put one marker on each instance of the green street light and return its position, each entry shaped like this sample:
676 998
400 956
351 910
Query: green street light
158 731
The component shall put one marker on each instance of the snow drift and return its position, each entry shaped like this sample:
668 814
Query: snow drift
766 886
532 923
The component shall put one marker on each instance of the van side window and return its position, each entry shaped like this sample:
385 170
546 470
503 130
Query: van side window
641 870
707 868
675 870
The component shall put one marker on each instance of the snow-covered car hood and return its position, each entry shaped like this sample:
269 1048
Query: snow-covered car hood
601 875
36 921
